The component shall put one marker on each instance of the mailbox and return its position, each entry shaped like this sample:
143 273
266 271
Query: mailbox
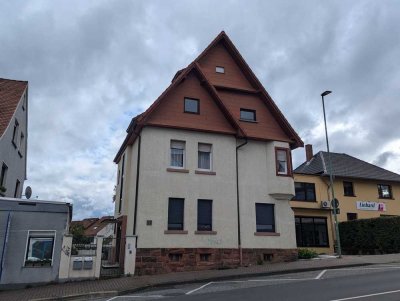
77 263
88 263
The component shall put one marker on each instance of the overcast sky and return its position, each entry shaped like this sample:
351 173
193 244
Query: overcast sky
93 65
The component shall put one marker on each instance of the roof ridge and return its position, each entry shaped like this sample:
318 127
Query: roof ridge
14 80
323 162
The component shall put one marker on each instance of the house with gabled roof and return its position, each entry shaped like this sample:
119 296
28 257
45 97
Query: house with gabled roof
13 136
205 173
363 190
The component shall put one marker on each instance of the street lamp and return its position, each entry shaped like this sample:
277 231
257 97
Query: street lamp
334 203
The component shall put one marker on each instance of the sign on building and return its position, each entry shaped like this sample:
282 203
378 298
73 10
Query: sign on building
371 206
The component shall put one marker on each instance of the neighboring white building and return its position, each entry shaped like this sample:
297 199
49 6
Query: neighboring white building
13 136
205 175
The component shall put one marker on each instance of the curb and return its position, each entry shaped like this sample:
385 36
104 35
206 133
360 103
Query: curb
105 294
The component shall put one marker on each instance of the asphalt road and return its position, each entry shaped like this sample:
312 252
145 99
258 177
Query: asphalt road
380 282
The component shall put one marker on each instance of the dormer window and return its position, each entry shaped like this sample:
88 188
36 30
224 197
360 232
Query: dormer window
247 115
219 69
192 106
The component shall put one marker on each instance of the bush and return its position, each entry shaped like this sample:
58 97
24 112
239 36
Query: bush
307 254
370 236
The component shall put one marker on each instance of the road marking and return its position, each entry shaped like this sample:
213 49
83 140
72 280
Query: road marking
366 296
320 275
280 279
356 269
137 296
199 288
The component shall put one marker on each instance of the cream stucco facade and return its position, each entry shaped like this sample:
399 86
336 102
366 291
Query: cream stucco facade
364 191
258 183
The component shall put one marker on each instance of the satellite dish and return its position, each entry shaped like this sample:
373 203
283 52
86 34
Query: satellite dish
28 192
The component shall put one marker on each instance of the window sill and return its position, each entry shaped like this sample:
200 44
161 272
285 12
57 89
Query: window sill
205 172
205 232
171 169
386 198
175 232
350 196
266 234
251 121
284 175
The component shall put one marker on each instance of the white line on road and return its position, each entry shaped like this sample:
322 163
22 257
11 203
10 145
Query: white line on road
137 296
320 275
356 269
366 296
199 288
280 279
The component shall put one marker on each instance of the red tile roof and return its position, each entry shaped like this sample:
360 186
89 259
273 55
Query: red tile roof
10 95
93 225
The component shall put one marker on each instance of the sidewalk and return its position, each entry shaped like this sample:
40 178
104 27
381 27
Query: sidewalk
87 290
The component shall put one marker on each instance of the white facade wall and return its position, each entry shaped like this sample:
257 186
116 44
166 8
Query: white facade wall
257 178
15 156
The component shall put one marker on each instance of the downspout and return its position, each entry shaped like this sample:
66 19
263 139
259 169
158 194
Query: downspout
237 201
137 185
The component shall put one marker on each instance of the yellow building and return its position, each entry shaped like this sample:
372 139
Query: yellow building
362 189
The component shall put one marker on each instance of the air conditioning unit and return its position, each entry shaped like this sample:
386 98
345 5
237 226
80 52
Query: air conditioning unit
325 204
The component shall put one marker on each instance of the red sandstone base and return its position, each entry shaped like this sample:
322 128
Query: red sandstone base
159 261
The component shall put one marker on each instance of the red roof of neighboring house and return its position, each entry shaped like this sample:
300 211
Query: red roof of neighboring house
11 92
92 226
222 98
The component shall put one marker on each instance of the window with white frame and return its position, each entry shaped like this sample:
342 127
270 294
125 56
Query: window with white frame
204 156
40 248
177 154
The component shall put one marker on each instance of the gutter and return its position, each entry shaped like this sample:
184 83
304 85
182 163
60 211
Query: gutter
238 201
137 185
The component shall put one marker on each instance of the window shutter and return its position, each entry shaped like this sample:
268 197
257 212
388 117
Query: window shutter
178 144
204 147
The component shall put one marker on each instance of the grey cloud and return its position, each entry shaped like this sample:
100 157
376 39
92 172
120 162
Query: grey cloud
93 65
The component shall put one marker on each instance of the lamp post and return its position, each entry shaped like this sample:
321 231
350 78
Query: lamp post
338 247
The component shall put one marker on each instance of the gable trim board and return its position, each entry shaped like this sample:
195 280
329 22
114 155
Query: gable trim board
142 120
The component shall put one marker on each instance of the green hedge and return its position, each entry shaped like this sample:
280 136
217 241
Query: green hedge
370 236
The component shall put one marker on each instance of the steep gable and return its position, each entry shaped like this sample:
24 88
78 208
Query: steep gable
222 95
11 92
233 75
170 112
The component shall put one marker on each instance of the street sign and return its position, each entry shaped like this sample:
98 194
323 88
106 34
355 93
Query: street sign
335 203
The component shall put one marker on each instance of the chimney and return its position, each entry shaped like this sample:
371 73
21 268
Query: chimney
309 152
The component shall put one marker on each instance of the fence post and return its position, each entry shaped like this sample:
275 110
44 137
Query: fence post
99 247
66 249
130 255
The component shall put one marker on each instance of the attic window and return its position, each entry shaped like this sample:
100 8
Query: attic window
192 106
247 115
219 69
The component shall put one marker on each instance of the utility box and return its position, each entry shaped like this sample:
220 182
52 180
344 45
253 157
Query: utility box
77 263
88 263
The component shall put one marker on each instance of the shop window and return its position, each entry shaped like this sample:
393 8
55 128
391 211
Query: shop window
311 231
